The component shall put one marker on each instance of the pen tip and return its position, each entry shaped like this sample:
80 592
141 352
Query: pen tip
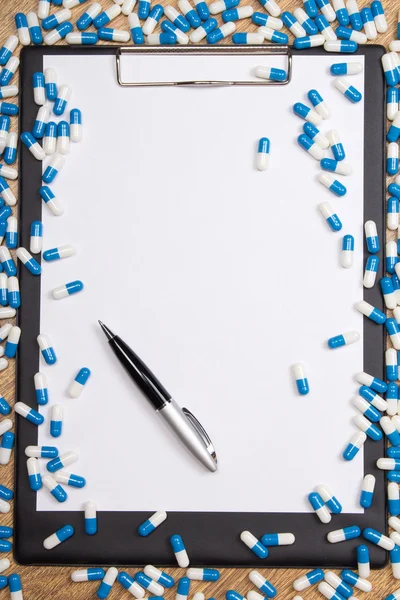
109 334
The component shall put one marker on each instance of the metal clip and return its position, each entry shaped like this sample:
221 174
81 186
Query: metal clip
275 50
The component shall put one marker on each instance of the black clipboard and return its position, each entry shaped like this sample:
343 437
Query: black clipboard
211 539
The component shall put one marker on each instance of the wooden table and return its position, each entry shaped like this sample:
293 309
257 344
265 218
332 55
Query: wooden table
45 583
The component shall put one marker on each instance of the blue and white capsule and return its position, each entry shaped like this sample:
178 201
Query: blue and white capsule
392 396
371 269
5 408
222 5
62 461
8 173
3 230
341 12
157 39
220 33
10 151
41 389
300 378
391 257
46 349
278 539
330 216
236 14
34 28
277 37
12 233
394 556
75 389
379 16
179 550
6 494
148 526
356 442
342 535
69 479
183 588
190 14
107 16
58 253
355 580
366 409
39 94
363 564
392 212
34 476
371 237
7 262
154 16
304 20
28 413
332 184
337 588
394 333
371 430
4 331
8 91
36 237
3 299
344 33
368 23
394 130
168 27
57 34
9 70
254 544
326 9
56 420
393 500
5 123
14 296
90 574
177 19
325 29
85 21
143 9
203 9
7 49
21 24
75 127
52 21
203 574
267 21
311 147
61 535
262 584
329 499
354 15
375 385
6 108
348 90
262 156
159 576
50 84
68 289
6 446
62 141
63 96
41 451
346 68
50 200
319 104
90 38
309 41
390 430
28 261
90 517
56 162
316 135
367 491
390 69
392 160
307 580
7 195
135 29
130 584
33 145
306 113
147 583
336 145
293 25
347 253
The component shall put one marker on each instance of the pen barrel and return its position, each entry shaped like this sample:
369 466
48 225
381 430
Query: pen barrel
141 374
177 421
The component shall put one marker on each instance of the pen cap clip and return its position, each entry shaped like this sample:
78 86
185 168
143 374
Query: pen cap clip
201 431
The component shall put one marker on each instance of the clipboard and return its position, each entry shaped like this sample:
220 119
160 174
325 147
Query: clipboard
211 538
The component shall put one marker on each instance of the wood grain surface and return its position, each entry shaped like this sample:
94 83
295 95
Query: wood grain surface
44 583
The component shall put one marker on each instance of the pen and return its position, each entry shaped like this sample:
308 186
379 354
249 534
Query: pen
182 422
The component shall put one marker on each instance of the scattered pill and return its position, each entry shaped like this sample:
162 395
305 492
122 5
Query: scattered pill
357 440
306 113
50 200
311 147
300 379
15 586
56 163
56 420
377 538
349 91
21 24
377 385
28 261
178 548
12 342
254 544
346 68
307 580
333 185
379 16
347 253
12 232
236 14
305 21
61 535
62 461
6 446
90 517
130 584
89 574
41 451
330 500
262 157
221 32
338 585
92 11
28 413
34 28
277 539
311 41
371 312
57 34
148 526
342 535
148 584
392 211
34 476
9 70
50 138
159 576
392 396
69 479
319 508
293 25
263 584
367 491
39 94
46 349
33 145
7 49
331 218
56 18
75 119
325 28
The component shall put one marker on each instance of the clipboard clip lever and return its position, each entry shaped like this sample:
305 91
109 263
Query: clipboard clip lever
195 423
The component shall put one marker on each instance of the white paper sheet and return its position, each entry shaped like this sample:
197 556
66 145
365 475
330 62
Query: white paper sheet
220 277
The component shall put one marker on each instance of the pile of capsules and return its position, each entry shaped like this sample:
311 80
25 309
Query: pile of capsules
311 26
